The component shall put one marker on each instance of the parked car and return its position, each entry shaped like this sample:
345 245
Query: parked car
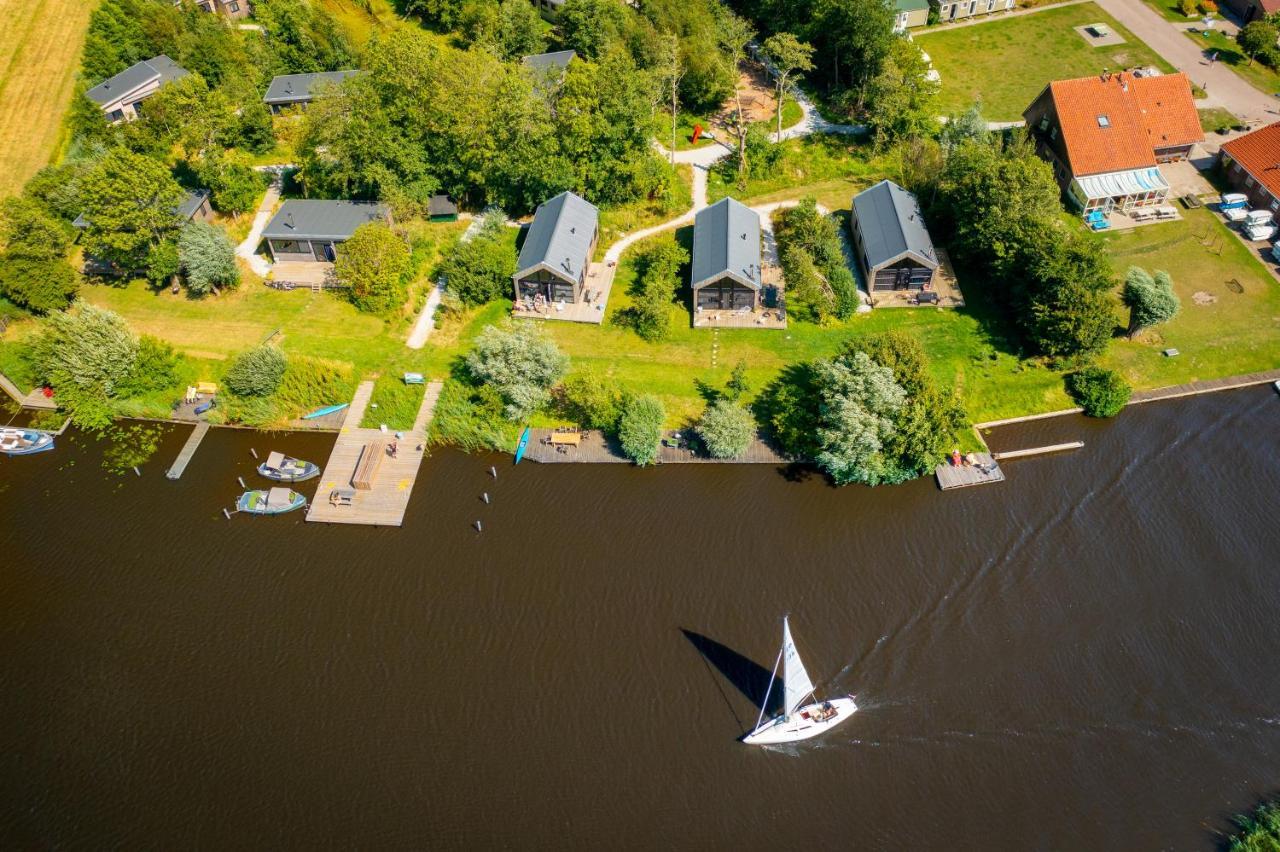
1233 200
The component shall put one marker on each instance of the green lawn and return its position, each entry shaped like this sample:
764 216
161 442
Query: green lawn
831 168
1215 119
1008 62
1169 9
791 114
1236 333
1257 75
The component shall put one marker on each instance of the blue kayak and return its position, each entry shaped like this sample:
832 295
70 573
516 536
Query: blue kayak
321 412
524 442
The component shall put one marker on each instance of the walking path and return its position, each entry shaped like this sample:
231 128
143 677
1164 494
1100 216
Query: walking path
248 250
1222 86
423 327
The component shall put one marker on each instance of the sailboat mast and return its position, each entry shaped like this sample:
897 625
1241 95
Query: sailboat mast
764 704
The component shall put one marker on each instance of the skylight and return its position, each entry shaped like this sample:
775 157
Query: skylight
1103 121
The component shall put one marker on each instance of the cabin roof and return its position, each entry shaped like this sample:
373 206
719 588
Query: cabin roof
160 68
560 237
312 219
726 241
892 225
296 88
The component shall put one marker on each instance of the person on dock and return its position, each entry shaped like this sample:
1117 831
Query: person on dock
392 449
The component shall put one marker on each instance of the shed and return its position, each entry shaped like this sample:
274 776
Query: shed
310 230
442 208
288 90
726 257
890 238
557 250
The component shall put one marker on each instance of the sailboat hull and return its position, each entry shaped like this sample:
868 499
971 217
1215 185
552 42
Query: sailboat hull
808 721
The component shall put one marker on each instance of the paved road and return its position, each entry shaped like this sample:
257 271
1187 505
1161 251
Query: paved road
1222 85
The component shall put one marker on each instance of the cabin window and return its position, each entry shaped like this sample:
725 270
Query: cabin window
287 246
1275 205
1248 182
233 6
116 114
1053 132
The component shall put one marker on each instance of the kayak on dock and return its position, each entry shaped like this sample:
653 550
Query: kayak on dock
524 442
328 409
276 501
24 442
284 468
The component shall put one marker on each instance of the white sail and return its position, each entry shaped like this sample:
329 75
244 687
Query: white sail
794 677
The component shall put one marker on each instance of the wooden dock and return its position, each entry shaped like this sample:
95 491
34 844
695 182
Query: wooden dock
385 503
986 471
35 399
594 448
1038 451
188 450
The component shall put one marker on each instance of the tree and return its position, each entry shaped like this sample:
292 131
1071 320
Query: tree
208 258
902 97
1066 296
1100 392
480 269
853 38
737 385
672 72
657 278
640 428
591 26
155 368
735 34
234 185
1150 300
256 372
726 429
373 263
163 262
129 201
34 271
1257 37
519 29
857 401
83 354
969 126
787 54
593 400
920 164
520 362
30 232
811 251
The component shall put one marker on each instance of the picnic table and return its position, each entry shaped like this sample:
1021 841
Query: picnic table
570 439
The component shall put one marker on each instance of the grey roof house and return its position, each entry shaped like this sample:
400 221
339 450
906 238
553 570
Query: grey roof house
726 257
557 251
546 62
230 8
890 239
311 230
289 90
121 96
194 207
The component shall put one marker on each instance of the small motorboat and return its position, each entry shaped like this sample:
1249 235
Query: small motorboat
275 501
1233 201
328 409
284 468
523 445
24 442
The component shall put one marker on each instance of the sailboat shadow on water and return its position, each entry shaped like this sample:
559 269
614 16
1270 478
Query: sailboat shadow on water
747 676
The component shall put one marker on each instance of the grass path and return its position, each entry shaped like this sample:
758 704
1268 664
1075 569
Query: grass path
39 54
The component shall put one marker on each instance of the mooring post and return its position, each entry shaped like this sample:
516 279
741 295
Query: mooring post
493 471
486 498
240 479
136 472
255 452
226 514
479 527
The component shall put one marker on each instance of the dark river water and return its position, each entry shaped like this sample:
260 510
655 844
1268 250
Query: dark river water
1083 657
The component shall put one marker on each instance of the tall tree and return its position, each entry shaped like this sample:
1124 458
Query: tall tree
208 257
735 34
1150 300
373 263
787 54
129 201
672 72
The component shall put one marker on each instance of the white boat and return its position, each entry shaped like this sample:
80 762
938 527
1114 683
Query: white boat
1235 214
1259 233
799 721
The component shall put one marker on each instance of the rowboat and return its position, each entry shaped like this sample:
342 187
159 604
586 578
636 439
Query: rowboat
284 468
321 412
524 442
24 442
276 501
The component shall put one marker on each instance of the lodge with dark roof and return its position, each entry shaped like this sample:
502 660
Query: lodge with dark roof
1106 135
305 229
726 273
552 267
890 239
1251 164
288 90
121 96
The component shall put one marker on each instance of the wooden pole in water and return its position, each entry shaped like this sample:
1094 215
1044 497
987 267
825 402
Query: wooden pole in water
136 472
226 514
240 479
479 527
255 452
486 498
493 471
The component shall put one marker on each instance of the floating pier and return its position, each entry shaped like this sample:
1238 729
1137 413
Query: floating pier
188 450
1038 451
986 471
389 482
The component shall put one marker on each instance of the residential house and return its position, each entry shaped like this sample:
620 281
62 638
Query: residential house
891 241
1106 135
908 14
121 96
288 90
1251 164
955 10
232 9
312 230
194 208
1252 10
555 62
557 250
726 271
549 9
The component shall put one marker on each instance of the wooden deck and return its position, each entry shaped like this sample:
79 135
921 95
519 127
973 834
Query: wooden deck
35 399
595 449
599 283
385 504
188 450
987 470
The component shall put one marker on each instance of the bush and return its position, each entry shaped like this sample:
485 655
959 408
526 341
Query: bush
1259 831
155 369
480 270
309 383
471 419
726 429
207 257
657 278
520 362
43 286
593 400
1188 7
811 251
84 354
373 263
256 372
640 428
163 262
1101 393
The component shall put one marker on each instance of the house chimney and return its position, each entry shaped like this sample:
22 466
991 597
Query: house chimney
288 220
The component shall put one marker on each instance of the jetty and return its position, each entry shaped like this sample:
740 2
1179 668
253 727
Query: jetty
188 450
985 471
1038 451
35 399
363 482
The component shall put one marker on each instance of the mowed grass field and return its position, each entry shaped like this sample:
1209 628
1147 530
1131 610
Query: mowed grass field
39 57
1008 62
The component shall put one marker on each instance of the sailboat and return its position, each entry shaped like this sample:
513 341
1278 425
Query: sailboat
797 722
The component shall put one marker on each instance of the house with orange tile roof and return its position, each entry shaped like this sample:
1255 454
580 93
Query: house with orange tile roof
1106 135
1251 164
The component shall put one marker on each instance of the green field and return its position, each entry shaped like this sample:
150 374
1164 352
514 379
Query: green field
1008 62
1256 74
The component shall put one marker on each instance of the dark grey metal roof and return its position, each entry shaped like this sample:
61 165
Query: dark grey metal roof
297 88
726 242
310 219
542 61
160 68
560 236
892 226
184 211
441 205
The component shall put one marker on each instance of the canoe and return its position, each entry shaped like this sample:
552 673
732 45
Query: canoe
24 442
524 442
321 412
276 501
282 468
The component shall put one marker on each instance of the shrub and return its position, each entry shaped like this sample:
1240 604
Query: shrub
163 262
470 418
657 278
1259 831
1188 7
1150 300
309 383
1100 392
84 354
812 253
520 362
480 270
155 369
726 429
373 263
43 286
256 372
593 400
207 257
640 428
